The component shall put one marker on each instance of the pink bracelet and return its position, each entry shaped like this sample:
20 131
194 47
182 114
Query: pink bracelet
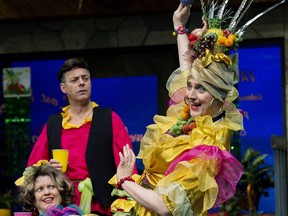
122 180
180 30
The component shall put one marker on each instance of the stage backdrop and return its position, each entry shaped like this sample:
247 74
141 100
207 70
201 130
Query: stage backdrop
135 100
261 98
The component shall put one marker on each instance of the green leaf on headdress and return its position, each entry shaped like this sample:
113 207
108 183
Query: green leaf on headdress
214 23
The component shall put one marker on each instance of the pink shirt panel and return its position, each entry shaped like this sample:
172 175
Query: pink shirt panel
75 139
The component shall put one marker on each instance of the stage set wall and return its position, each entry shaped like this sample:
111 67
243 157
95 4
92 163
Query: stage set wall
113 39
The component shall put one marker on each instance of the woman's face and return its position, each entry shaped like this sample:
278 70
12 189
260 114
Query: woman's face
199 99
46 193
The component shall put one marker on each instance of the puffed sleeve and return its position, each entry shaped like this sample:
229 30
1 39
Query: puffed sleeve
120 137
40 148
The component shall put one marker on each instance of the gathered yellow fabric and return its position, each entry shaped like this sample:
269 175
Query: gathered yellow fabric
195 178
219 57
190 189
125 203
85 187
66 116
192 185
20 181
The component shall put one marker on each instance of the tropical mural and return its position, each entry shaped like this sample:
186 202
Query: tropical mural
16 82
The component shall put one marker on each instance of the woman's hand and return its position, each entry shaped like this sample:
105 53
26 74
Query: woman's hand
181 15
145 197
127 163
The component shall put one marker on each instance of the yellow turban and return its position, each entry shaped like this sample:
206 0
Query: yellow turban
216 77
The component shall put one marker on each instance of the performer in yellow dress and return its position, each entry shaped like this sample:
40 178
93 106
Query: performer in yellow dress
188 166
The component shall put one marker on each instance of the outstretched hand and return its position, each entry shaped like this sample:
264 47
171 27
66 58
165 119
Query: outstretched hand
127 163
181 15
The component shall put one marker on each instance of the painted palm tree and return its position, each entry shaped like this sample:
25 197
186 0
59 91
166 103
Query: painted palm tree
13 85
257 178
255 182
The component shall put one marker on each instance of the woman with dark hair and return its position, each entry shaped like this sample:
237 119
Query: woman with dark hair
47 191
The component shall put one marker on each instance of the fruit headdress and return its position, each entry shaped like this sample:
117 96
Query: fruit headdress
211 46
211 61
221 33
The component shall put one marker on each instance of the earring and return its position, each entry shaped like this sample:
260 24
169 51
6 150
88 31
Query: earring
212 101
221 107
34 211
220 110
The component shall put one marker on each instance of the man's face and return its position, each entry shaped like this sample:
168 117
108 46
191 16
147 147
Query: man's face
77 84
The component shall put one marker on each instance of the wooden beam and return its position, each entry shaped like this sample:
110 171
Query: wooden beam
19 10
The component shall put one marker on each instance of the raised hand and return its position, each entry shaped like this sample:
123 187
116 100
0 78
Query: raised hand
127 163
181 15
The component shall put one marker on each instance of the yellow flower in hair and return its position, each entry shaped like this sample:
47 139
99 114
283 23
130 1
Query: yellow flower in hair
29 172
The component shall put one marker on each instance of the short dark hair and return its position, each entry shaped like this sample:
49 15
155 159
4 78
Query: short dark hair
71 64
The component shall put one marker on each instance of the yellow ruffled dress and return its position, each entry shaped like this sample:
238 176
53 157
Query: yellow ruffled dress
194 172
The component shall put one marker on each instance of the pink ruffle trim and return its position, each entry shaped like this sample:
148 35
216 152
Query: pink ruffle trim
229 169
177 97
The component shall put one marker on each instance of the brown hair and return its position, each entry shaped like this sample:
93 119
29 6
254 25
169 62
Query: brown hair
27 190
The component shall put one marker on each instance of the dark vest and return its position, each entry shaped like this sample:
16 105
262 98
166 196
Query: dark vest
99 153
